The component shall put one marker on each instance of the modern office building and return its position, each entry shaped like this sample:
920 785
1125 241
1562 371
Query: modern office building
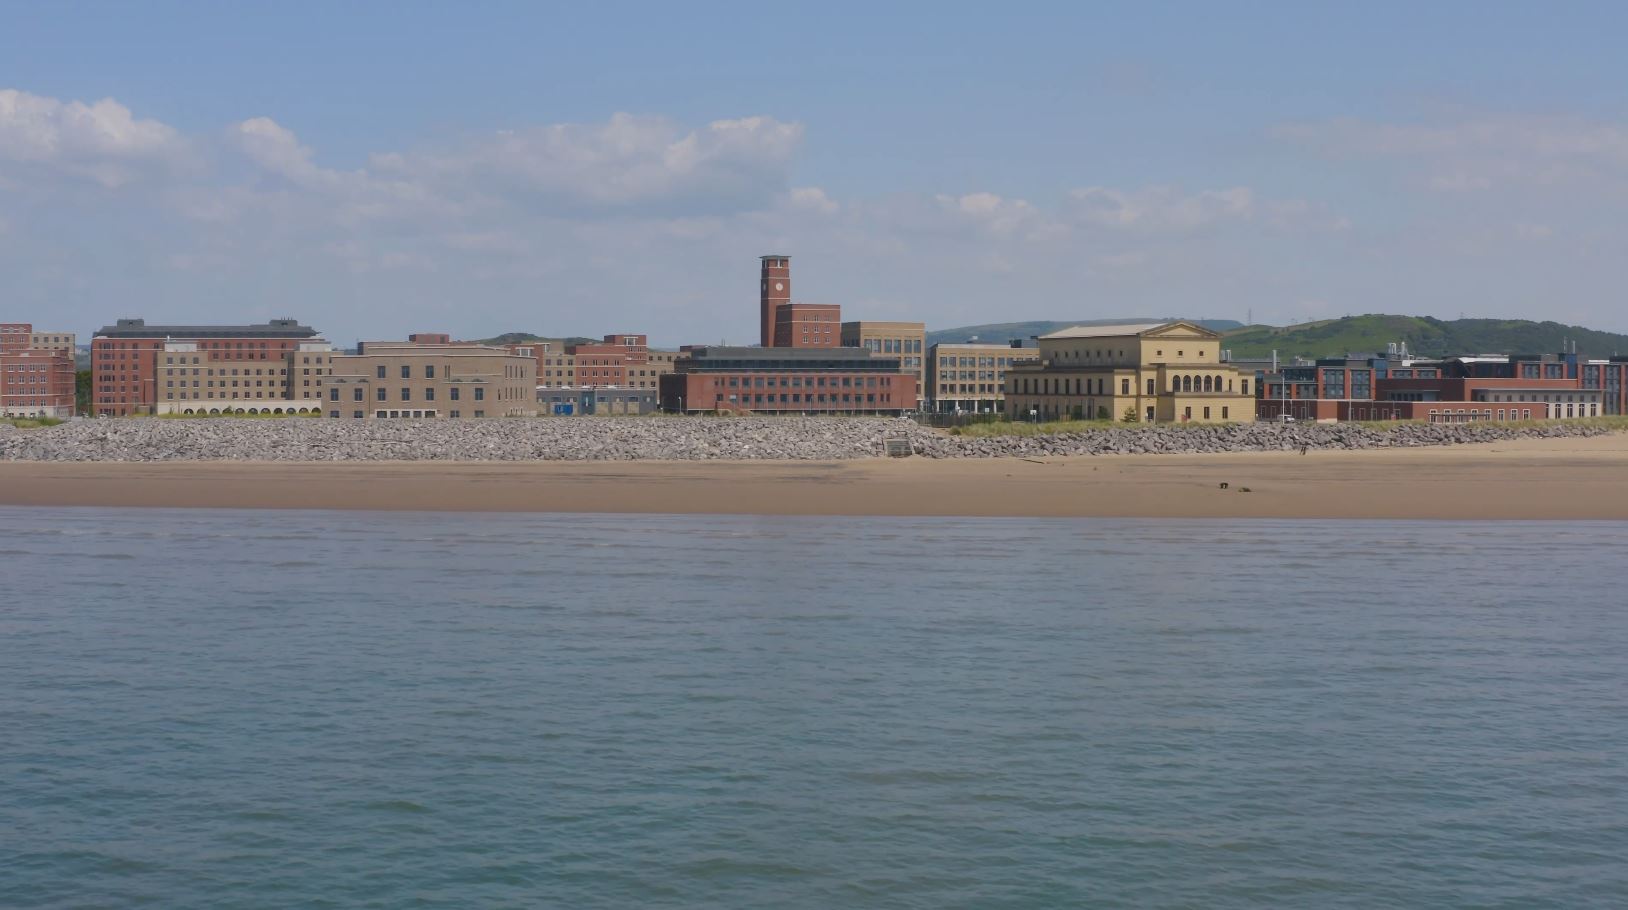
904 340
971 377
435 380
834 380
1150 372
1486 387
125 358
36 372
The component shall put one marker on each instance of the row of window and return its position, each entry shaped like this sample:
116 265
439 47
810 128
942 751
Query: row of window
893 345
797 382
1031 385
848 398
454 393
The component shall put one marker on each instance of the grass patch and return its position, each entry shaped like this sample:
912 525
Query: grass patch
1020 428
31 423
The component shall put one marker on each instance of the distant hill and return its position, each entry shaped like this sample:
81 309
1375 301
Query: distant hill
527 338
1003 332
1424 336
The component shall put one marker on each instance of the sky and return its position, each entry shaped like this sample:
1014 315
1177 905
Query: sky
375 169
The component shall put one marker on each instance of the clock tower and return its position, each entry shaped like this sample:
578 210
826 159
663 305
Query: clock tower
774 290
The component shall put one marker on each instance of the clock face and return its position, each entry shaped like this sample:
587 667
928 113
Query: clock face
779 287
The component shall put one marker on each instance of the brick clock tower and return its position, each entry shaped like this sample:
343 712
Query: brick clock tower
775 291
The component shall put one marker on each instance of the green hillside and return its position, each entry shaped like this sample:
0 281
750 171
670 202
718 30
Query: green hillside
1423 335
1003 332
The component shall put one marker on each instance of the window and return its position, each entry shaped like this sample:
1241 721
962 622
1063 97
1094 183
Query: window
333 395
429 394
406 371
453 393
357 414
406 394
381 394
1223 413
356 394
1124 386
480 395
380 371
429 371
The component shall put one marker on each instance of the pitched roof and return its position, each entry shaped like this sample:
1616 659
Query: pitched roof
1105 331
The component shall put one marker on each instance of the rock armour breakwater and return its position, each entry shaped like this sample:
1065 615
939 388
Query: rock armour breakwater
678 439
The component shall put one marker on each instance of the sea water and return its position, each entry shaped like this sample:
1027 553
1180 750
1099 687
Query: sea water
233 709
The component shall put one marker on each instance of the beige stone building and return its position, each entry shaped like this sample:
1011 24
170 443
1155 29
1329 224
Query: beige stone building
971 377
660 363
53 341
1153 372
193 381
403 379
905 340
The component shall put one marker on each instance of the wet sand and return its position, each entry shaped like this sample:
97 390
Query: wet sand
1521 479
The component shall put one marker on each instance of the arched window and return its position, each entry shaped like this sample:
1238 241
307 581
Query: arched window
1208 384
1187 383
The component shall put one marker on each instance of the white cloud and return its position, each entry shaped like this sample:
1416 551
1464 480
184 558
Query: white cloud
1159 208
101 141
278 151
629 163
1481 152
812 199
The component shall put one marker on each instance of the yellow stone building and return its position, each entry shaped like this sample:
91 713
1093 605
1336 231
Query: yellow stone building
1165 372
904 340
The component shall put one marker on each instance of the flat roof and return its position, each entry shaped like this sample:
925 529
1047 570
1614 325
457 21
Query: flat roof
138 328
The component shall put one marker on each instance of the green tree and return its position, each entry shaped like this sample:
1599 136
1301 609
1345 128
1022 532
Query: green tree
81 383
1129 416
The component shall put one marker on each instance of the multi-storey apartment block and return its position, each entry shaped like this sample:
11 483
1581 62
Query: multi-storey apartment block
436 380
126 356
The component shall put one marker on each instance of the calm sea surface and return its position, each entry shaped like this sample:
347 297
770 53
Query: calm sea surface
304 709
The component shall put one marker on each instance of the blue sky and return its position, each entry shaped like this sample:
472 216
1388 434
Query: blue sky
376 169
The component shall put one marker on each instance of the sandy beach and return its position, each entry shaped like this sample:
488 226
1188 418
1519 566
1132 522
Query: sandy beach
1584 478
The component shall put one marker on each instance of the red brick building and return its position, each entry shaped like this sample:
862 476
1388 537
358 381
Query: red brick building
808 325
1459 399
787 380
783 324
775 292
610 362
35 381
125 358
